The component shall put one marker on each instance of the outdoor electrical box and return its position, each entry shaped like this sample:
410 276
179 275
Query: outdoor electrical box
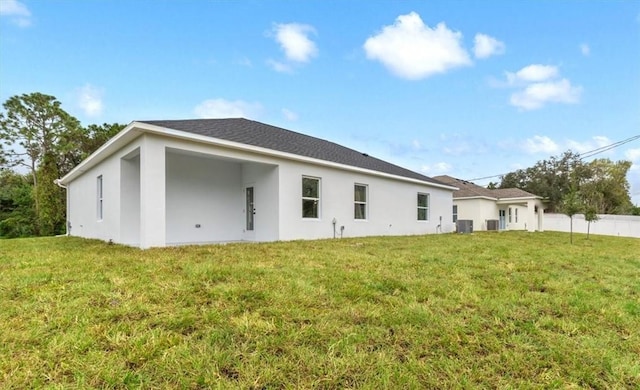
464 226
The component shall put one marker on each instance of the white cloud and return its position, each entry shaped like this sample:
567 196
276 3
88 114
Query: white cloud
540 84
416 145
412 50
536 95
294 40
540 144
437 168
14 8
585 49
486 46
289 115
633 155
90 100
280 66
533 73
594 143
221 108
16 11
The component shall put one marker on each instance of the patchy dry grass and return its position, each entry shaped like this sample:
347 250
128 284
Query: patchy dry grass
508 310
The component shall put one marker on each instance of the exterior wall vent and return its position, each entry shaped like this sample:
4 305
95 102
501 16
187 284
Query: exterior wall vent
464 226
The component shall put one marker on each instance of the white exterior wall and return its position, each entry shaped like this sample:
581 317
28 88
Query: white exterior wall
82 199
519 223
170 185
528 219
203 200
478 210
265 182
130 199
391 205
152 192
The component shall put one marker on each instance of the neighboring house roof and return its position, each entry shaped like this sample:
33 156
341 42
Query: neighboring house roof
241 132
502 193
467 189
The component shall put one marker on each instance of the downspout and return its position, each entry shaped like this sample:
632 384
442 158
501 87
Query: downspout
66 214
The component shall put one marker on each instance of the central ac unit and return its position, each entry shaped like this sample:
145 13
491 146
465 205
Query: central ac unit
464 226
493 224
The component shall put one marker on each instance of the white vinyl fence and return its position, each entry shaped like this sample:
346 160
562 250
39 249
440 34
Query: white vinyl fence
608 225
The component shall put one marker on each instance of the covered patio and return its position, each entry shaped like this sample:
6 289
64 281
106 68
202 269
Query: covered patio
195 197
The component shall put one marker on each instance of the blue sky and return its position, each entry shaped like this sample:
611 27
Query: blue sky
464 88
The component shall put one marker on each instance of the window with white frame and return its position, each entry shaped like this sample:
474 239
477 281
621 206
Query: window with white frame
509 214
423 207
310 197
99 198
360 201
516 215
455 213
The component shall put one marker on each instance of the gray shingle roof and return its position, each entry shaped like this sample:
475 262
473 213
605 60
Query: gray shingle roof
469 190
275 138
502 193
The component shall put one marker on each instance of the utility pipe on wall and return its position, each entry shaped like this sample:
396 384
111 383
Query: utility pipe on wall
334 226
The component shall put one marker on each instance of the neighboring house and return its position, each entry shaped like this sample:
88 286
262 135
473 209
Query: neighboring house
498 209
159 183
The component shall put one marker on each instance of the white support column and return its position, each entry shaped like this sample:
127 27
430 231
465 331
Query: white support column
152 192
531 216
540 216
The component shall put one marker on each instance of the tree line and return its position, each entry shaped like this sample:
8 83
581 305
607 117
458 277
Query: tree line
569 184
39 143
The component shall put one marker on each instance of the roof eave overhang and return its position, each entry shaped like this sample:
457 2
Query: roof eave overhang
136 129
125 136
474 197
518 199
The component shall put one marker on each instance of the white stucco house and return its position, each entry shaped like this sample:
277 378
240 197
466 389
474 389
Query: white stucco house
497 209
161 183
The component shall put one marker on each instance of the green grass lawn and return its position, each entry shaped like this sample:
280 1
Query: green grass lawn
489 310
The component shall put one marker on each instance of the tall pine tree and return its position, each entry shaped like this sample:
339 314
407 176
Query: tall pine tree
32 129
